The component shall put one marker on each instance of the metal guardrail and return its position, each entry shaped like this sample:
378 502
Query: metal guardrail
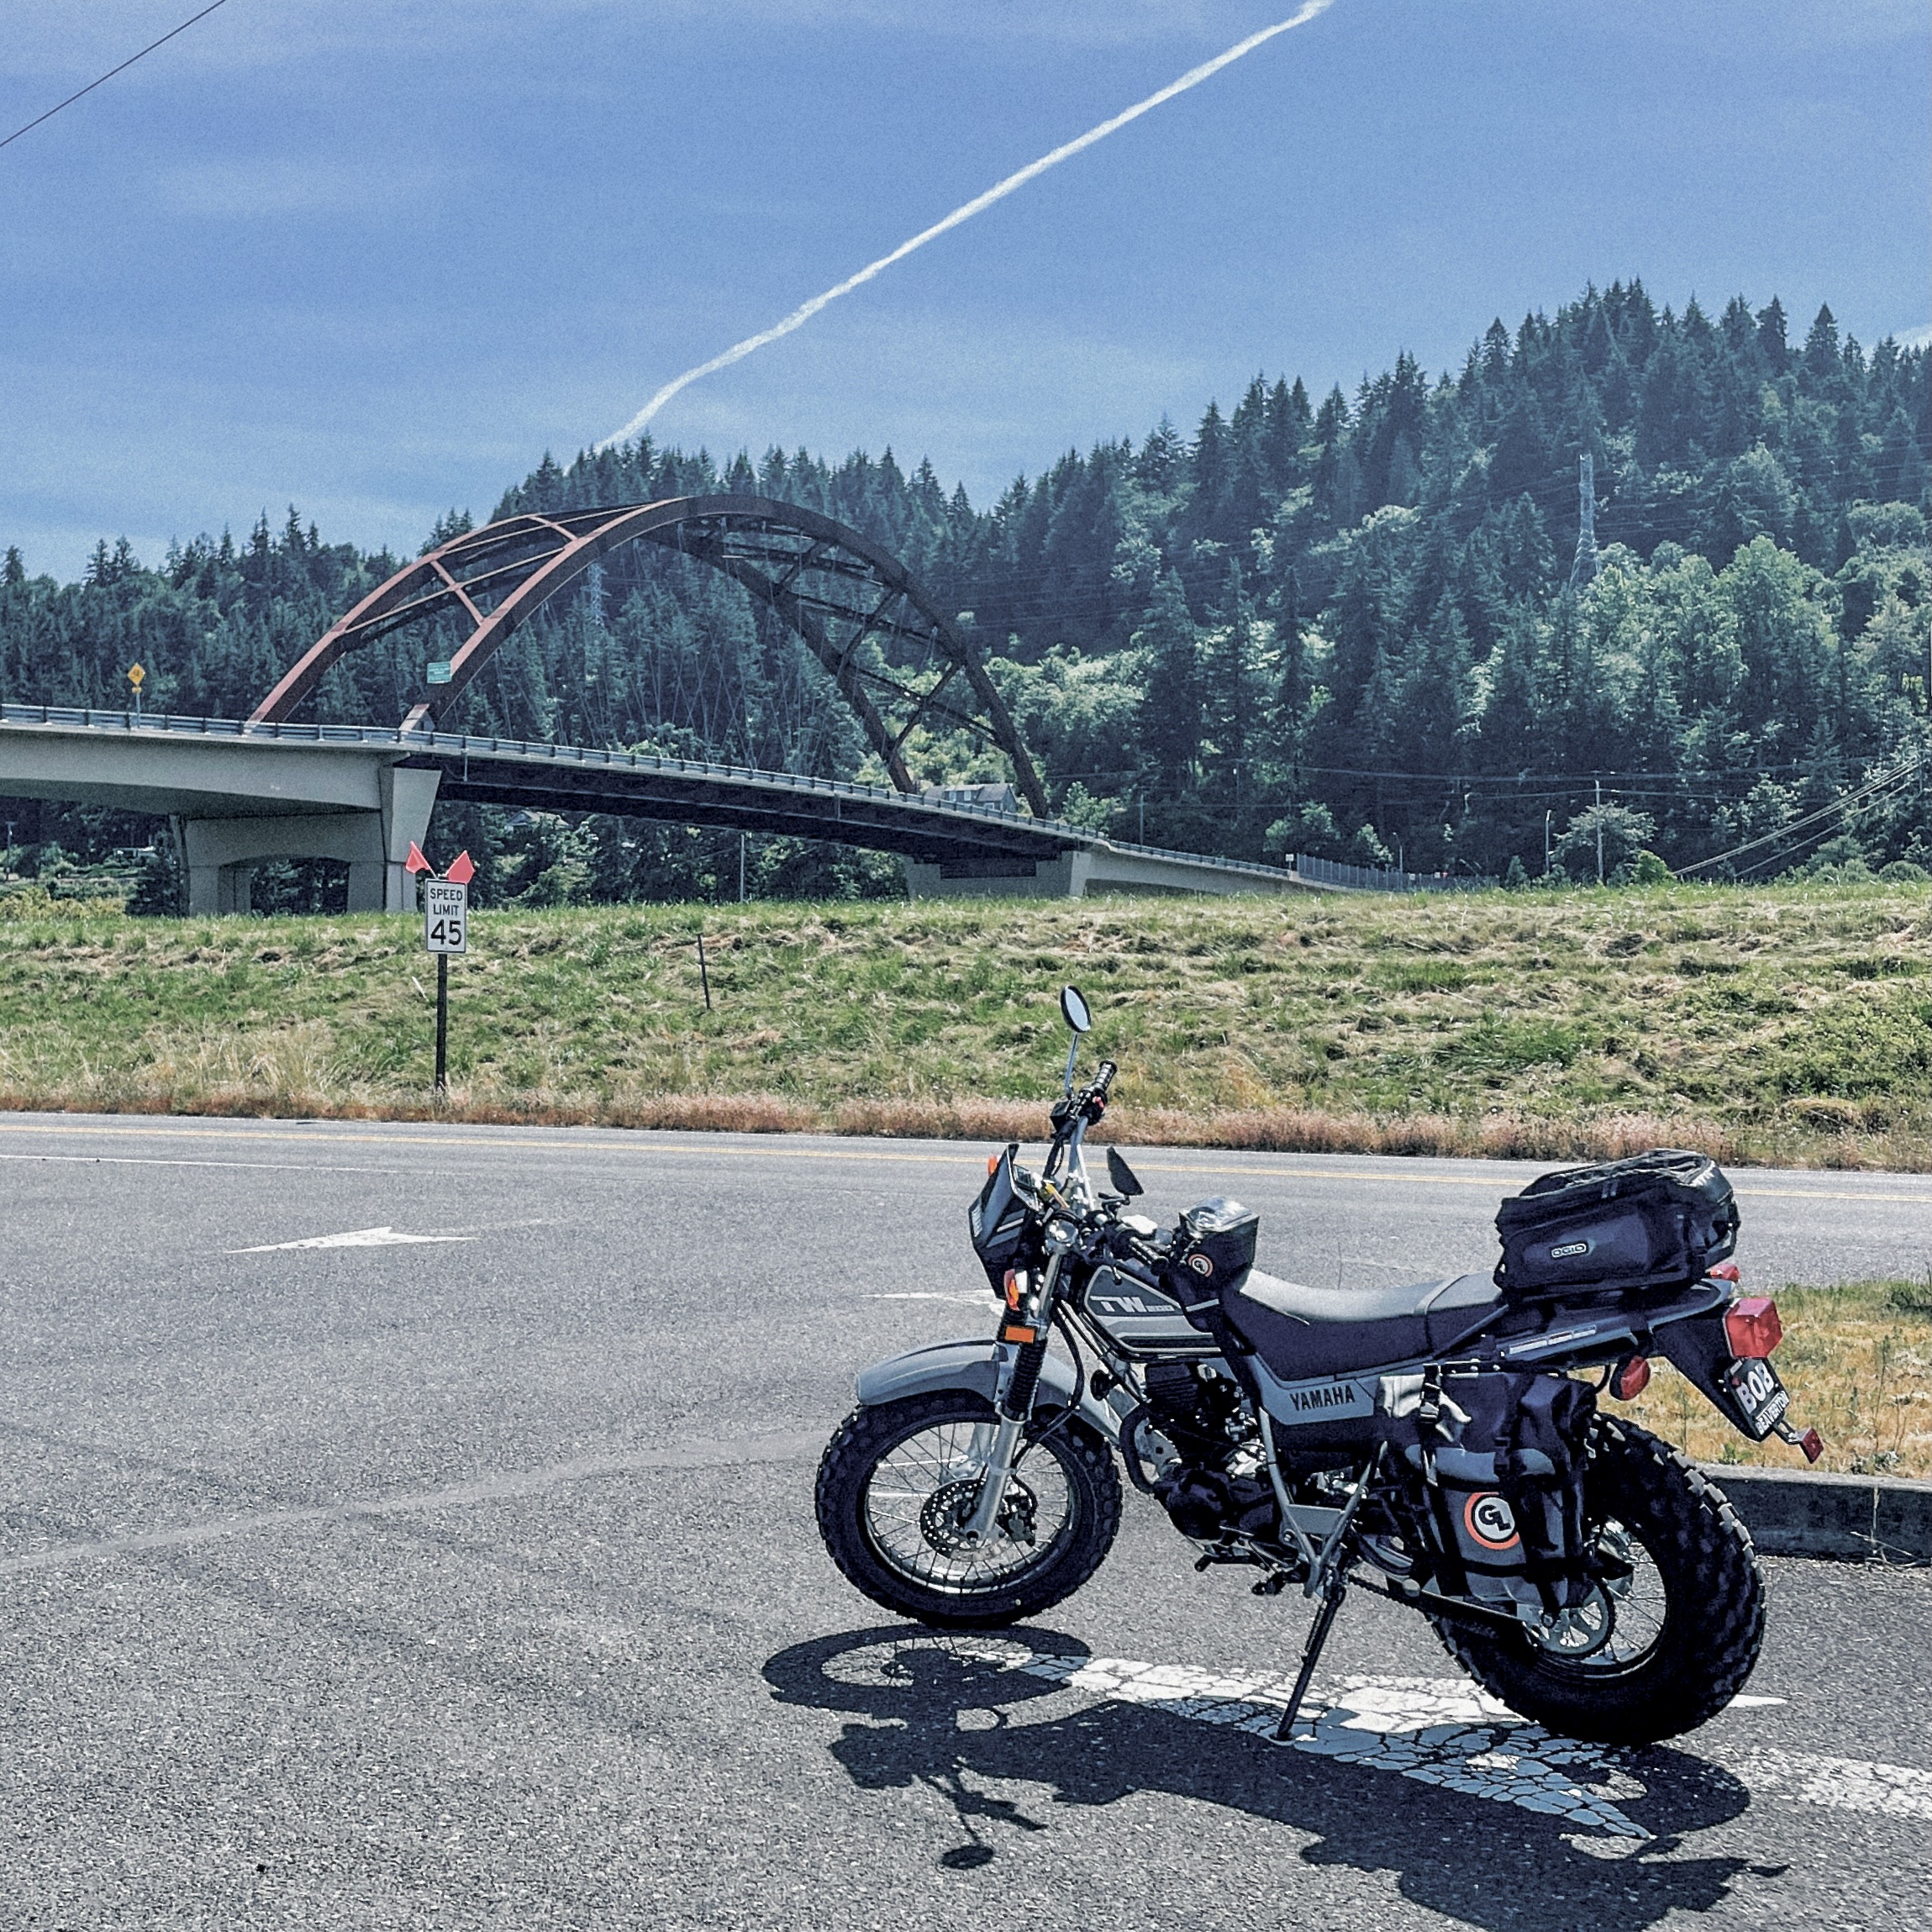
1377 879
458 744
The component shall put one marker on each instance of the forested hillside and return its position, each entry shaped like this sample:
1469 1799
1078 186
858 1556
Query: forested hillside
1349 627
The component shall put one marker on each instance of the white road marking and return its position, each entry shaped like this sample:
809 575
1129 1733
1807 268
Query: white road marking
356 1238
1445 1731
507 1487
976 1301
1839 1783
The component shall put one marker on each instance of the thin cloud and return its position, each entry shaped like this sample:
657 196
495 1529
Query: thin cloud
998 191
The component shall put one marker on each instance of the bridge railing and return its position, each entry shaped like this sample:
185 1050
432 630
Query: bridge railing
461 744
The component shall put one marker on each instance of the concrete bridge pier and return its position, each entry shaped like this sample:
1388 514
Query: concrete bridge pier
221 854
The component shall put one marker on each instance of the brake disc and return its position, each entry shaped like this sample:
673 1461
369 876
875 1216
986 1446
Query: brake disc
948 1510
1581 1631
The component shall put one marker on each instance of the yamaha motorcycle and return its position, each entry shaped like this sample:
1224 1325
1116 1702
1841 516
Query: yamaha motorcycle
1442 1444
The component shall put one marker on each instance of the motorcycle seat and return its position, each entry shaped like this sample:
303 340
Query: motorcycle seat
1300 1331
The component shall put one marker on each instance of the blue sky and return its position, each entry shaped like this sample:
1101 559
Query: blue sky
373 257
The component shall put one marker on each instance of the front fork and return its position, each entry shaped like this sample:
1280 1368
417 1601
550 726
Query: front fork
1024 1330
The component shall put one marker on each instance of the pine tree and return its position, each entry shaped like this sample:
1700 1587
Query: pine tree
1171 713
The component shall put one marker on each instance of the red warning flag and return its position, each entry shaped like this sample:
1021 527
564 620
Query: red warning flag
460 871
416 863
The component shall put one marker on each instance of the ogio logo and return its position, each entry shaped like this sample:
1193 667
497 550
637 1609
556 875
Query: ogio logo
1568 1249
1201 1265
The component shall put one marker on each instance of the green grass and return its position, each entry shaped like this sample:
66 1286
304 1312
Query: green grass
1787 1023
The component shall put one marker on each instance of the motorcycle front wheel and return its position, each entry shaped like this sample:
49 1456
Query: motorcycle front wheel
1684 1626
899 1480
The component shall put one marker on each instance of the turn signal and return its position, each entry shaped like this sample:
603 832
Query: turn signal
1632 1378
1752 1328
992 1163
1015 1287
1726 1272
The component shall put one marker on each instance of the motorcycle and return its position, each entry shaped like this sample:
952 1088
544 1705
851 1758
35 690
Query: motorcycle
1440 1445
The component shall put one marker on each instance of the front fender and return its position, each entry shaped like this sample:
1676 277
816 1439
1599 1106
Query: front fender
972 1365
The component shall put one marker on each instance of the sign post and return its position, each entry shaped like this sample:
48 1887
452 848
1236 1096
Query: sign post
137 677
445 930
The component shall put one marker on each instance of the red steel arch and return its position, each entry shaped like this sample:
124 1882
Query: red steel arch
834 586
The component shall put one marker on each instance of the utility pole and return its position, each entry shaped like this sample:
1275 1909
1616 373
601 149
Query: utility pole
1548 815
1584 566
741 837
1599 827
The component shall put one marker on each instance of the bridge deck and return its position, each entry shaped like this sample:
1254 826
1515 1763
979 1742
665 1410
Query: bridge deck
215 767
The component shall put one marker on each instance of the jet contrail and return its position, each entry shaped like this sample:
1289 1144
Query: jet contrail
799 316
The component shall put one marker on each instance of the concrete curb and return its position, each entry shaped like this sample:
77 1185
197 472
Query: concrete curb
1794 1513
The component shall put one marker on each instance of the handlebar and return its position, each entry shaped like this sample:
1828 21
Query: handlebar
1088 1105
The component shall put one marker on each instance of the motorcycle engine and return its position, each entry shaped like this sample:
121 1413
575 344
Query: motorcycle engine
1217 1490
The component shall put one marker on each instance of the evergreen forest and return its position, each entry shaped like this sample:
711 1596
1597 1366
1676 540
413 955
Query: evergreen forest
1361 626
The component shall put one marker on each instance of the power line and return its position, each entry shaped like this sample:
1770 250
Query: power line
111 72
1868 793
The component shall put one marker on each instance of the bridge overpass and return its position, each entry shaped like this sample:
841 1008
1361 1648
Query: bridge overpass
272 787
241 793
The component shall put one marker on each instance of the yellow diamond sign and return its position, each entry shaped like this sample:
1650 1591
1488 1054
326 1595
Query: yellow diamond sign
136 675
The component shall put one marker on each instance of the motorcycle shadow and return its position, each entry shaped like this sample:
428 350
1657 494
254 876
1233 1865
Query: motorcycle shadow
925 1707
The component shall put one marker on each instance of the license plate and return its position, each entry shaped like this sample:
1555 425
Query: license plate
1760 1394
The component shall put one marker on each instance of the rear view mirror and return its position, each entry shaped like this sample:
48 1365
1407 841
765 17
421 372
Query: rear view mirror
1122 1176
1074 1008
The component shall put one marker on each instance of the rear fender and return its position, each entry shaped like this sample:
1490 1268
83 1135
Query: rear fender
1701 1352
974 1366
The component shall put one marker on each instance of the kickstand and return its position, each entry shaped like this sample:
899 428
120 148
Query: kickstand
1332 1596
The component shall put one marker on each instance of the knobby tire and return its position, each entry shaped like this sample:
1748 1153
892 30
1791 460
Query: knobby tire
869 1435
1714 1607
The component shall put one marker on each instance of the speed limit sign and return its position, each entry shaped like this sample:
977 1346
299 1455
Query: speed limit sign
445 916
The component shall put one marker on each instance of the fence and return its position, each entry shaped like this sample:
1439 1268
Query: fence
1374 879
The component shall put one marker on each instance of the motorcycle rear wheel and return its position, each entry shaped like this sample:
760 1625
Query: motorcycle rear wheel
1685 1665
896 1479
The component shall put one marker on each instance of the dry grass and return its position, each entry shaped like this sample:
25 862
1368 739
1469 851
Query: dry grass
1858 1361
1787 1024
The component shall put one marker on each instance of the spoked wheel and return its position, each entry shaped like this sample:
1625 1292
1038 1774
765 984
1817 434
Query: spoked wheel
1669 1636
898 1484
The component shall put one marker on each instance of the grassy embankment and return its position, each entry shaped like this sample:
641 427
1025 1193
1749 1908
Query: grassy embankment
1782 1025
1790 1025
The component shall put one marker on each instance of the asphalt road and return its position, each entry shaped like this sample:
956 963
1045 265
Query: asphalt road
471 1580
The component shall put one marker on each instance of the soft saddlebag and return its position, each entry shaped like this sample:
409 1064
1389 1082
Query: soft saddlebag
1495 1463
1652 1220
1213 1250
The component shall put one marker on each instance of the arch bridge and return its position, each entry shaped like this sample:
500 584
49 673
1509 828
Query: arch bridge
842 594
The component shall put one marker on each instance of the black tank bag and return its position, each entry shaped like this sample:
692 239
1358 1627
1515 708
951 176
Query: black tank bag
1651 1221
1212 1251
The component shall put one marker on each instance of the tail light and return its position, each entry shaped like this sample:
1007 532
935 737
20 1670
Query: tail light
1813 1443
1752 1328
1631 1379
1725 1271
